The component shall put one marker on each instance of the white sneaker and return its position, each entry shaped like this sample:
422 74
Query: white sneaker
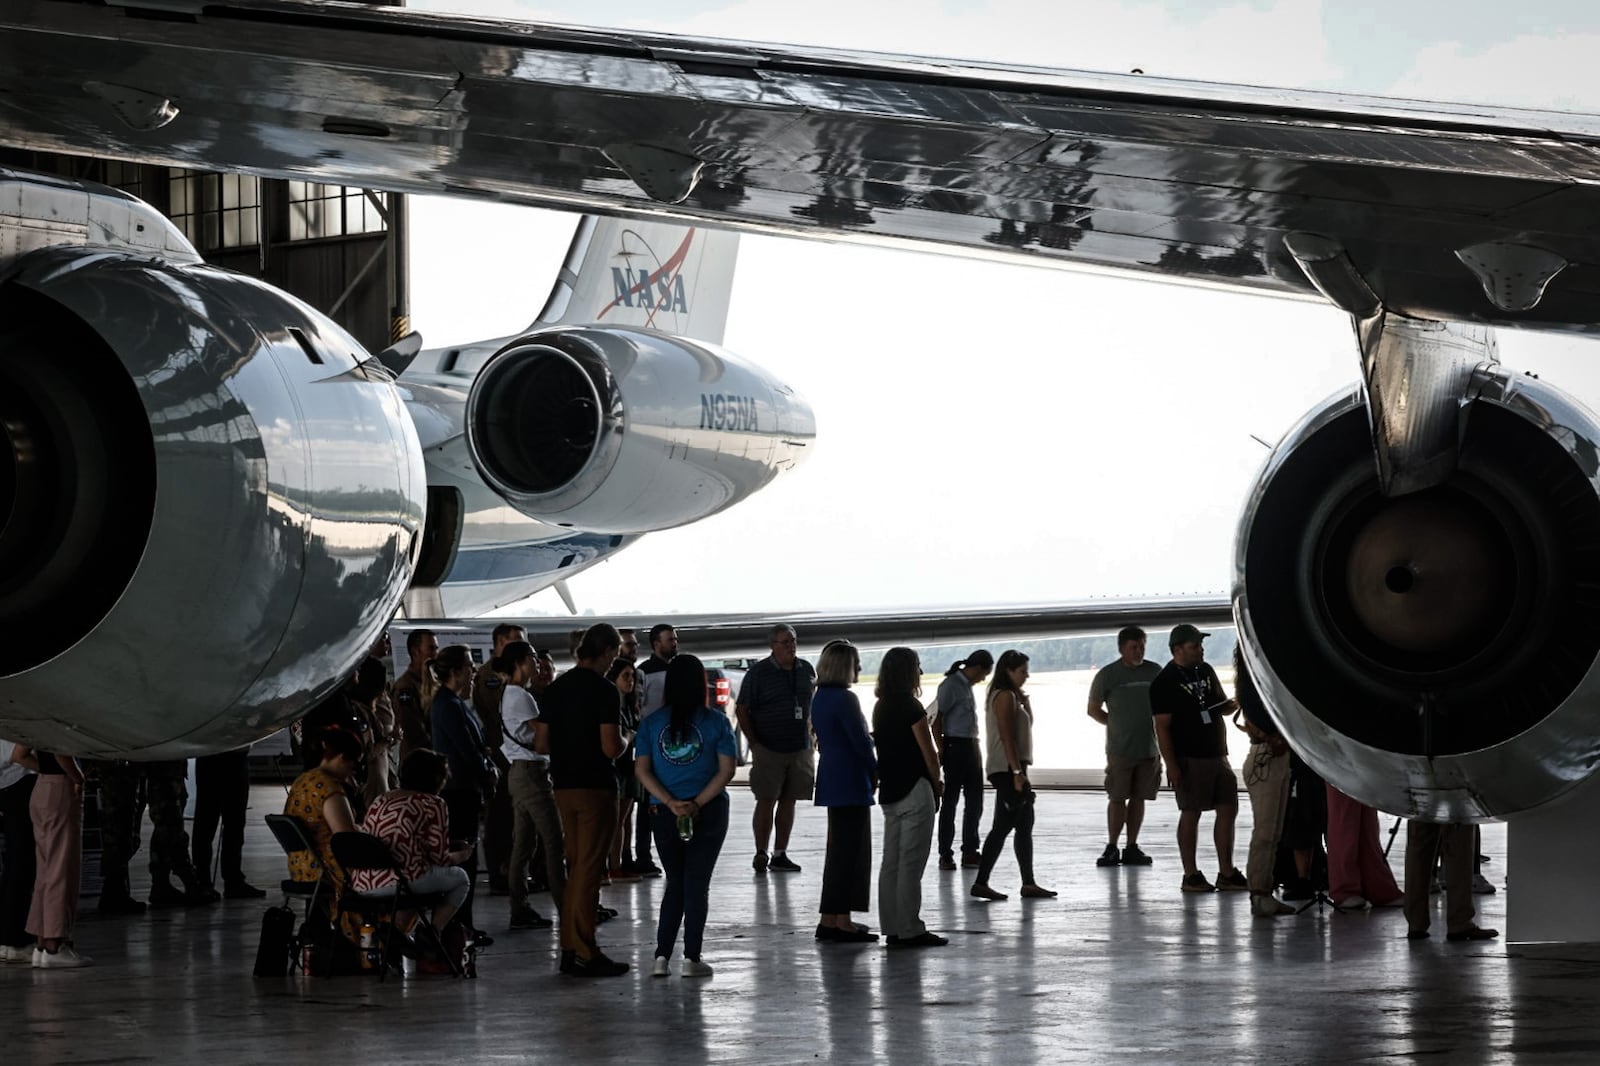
24 956
1352 903
66 958
660 969
696 968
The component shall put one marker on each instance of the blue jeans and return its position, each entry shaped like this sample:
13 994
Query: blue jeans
688 867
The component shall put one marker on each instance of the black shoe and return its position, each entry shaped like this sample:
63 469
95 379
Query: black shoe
119 905
783 864
1133 855
599 966
603 915
567 960
649 869
528 918
759 863
201 895
162 894
1416 934
480 939
924 939
243 890
858 935
1109 857
1298 891
1473 932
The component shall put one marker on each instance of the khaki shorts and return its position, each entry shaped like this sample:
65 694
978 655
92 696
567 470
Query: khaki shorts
778 775
1132 779
1207 784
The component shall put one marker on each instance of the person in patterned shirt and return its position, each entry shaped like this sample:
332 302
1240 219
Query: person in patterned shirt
412 820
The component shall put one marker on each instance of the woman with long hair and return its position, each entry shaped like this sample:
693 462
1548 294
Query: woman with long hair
1008 721
847 776
908 791
458 736
625 676
685 761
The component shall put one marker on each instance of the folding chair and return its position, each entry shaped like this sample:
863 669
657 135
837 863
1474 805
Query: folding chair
292 837
363 851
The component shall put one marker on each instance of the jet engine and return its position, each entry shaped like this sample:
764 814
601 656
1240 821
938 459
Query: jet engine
621 430
209 504
1433 654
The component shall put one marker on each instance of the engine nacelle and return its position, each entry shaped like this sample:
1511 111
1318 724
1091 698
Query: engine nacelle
209 506
1433 654
621 430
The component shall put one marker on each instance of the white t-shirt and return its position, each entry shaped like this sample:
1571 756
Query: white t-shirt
518 712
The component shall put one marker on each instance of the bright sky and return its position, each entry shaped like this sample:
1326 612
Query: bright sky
992 434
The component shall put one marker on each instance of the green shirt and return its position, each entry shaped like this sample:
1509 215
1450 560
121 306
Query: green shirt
1125 691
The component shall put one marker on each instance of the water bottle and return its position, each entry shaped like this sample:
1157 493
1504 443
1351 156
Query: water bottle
369 946
685 827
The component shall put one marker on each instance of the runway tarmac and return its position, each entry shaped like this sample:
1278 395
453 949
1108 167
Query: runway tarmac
1122 968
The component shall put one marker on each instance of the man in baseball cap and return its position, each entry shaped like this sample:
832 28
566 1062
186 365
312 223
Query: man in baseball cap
1191 710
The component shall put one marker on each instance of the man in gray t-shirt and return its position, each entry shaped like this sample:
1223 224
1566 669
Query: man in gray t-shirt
1119 699
774 712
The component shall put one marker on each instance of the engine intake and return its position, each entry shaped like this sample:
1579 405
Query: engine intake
622 430
1433 654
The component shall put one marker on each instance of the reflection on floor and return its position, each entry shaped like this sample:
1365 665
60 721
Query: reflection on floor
1123 967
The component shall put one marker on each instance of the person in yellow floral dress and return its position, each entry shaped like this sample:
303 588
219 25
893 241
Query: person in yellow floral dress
320 798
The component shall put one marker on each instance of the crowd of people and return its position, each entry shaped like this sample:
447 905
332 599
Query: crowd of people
565 783
41 795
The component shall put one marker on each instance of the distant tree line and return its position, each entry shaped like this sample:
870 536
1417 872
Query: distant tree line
1056 654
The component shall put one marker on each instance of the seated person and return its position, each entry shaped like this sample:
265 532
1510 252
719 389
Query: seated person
320 799
412 820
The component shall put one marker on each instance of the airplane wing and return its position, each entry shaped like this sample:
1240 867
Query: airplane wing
1460 213
716 636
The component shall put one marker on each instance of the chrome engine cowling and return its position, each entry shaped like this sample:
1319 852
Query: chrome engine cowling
1433 654
621 430
209 504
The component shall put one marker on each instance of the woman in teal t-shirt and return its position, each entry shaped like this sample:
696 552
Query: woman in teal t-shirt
685 761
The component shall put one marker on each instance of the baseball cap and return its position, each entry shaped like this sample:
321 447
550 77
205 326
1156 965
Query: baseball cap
1185 634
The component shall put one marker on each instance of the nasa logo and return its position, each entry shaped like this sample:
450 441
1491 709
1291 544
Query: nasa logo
721 411
634 291
652 291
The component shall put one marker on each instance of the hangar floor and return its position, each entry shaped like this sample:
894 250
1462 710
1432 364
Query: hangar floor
1123 967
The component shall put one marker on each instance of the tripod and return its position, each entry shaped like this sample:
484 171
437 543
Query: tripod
1319 899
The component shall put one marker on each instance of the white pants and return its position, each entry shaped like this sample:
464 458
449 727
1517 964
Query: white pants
907 838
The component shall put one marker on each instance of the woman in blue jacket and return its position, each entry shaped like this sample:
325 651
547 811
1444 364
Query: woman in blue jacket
847 775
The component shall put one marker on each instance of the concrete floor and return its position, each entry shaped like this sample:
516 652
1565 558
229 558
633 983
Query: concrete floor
1123 967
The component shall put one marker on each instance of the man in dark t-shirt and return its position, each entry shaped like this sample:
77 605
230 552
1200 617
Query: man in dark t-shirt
774 712
1191 711
578 728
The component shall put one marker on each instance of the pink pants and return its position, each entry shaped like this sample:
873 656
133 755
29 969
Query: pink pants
57 812
1356 866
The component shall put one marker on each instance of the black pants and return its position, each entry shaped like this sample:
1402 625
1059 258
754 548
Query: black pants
497 833
221 794
963 780
641 856
847 864
1013 811
465 808
16 884
688 867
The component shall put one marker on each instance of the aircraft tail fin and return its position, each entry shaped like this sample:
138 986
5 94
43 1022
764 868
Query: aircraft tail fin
658 275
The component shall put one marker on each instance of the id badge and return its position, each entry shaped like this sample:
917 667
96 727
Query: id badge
799 712
1205 717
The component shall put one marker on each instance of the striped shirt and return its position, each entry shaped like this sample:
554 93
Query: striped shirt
413 825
